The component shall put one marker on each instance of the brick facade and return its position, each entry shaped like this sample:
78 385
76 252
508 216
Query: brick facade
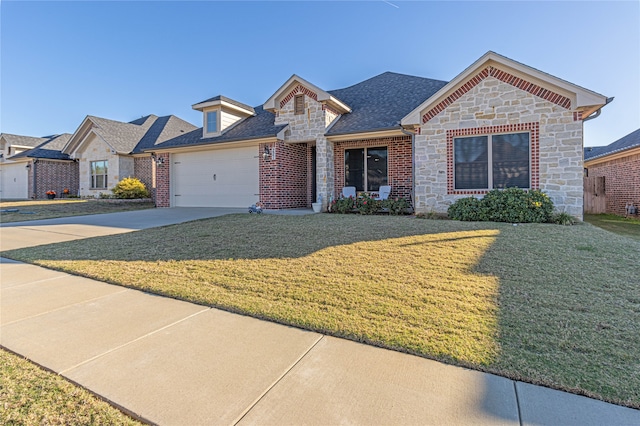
144 169
486 105
622 181
53 175
284 179
399 163
163 179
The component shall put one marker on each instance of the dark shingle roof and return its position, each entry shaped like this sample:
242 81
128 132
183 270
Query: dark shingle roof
136 136
229 100
23 140
51 149
258 126
632 140
380 102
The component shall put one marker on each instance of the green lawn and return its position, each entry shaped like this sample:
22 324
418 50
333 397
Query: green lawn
30 395
629 227
546 304
49 209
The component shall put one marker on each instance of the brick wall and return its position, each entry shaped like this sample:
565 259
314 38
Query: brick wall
284 179
54 176
399 163
163 182
622 181
143 169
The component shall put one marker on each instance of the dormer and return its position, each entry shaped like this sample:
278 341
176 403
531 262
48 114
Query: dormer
220 113
293 99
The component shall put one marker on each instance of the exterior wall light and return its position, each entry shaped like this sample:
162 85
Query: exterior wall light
267 152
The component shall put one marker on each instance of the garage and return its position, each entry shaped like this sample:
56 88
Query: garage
13 181
216 178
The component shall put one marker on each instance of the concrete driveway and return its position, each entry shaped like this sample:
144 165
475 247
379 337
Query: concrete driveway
47 231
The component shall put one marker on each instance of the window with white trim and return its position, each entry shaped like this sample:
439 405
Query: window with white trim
212 121
99 170
492 161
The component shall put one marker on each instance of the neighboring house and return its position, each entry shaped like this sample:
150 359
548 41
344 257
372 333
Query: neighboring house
497 124
619 164
108 151
32 166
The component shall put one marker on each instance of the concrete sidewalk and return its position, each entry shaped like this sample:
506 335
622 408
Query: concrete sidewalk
176 363
172 362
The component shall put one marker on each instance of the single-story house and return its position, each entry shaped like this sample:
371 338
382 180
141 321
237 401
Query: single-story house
108 151
619 164
499 123
32 166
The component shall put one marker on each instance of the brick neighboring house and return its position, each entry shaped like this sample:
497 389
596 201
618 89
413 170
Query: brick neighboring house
497 124
31 172
619 164
108 151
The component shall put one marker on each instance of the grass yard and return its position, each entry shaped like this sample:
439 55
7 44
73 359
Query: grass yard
546 304
49 209
33 396
629 227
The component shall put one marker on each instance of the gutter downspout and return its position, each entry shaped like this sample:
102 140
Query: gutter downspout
413 164
35 180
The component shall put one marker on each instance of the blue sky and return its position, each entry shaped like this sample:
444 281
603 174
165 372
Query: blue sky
61 61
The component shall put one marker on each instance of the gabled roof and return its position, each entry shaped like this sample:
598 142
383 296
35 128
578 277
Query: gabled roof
51 149
380 102
26 141
582 98
129 138
322 96
258 126
632 140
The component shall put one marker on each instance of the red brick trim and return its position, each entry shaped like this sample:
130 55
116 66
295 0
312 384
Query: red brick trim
326 107
577 116
505 77
298 89
534 150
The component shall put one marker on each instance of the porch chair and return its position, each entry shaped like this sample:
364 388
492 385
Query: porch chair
384 192
349 191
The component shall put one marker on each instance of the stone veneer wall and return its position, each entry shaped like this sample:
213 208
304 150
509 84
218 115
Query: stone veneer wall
96 150
284 179
399 164
53 176
492 104
622 182
144 168
163 179
310 127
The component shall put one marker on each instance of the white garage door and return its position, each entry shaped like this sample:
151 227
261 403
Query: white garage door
216 178
13 181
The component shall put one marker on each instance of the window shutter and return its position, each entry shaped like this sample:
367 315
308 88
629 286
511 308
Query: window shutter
298 104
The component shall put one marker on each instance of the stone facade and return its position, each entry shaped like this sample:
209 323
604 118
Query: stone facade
310 127
399 163
96 150
51 175
622 181
491 105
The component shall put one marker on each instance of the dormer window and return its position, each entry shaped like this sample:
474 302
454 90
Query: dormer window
212 121
298 105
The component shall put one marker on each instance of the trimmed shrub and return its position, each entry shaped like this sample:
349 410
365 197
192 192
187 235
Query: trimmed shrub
367 205
129 188
343 205
395 206
512 205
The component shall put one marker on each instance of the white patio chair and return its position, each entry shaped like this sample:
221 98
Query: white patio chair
349 191
383 192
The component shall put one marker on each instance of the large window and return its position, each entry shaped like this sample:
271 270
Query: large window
366 168
99 174
492 161
212 122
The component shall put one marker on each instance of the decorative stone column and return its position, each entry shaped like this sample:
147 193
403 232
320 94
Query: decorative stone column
324 170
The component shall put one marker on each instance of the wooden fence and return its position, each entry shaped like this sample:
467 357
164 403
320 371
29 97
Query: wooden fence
595 196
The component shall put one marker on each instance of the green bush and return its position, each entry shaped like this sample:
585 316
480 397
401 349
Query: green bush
367 205
512 205
130 188
395 206
343 205
563 219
